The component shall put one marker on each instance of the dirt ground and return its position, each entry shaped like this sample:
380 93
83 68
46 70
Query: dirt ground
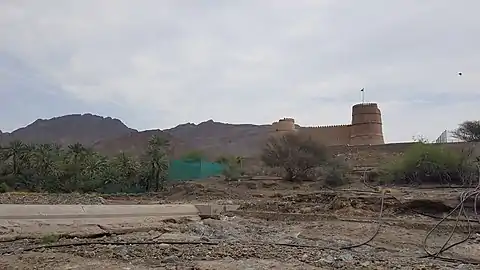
279 226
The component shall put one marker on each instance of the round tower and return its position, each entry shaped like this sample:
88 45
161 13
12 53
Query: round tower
283 126
366 125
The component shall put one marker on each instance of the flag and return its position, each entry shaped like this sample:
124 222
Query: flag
363 89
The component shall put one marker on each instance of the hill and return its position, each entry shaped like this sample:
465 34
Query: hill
68 129
109 135
215 138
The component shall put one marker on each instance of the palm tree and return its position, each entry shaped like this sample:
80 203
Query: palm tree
76 153
124 171
156 162
14 152
42 160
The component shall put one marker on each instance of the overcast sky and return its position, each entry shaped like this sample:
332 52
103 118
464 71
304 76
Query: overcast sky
159 63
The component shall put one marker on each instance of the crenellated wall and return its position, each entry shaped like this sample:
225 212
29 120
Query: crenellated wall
365 128
328 135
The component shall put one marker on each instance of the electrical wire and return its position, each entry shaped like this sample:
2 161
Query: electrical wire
377 231
379 221
464 196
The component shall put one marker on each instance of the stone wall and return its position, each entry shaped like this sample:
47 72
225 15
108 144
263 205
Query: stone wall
365 128
328 135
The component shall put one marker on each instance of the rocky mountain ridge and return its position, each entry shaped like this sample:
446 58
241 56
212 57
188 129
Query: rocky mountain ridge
110 135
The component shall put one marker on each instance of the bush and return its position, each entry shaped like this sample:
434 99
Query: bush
335 173
297 156
429 164
232 167
4 187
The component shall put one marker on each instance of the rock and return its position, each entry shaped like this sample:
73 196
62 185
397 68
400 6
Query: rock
170 259
163 245
365 264
306 210
328 259
463 267
102 200
346 257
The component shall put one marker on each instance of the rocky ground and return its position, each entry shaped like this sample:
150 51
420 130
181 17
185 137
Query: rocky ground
279 226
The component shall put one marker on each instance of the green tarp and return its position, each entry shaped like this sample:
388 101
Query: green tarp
187 170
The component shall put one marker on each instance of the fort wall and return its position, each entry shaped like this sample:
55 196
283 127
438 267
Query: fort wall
365 128
328 135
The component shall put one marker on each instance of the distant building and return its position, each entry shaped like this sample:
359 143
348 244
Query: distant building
364 129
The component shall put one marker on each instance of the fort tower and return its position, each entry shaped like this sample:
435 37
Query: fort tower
364 129
366 126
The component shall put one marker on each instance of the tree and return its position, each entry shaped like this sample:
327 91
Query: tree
51 168
15 151
296 155
44 160
155 163
468 131
420 139
122 174
72 166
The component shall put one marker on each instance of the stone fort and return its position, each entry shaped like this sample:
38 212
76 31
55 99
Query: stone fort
364 129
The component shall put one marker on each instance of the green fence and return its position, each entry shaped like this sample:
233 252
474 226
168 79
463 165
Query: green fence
188 170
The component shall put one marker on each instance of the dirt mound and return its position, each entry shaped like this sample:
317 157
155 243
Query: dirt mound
204 191
347 204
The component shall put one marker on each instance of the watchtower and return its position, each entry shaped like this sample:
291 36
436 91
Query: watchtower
366 124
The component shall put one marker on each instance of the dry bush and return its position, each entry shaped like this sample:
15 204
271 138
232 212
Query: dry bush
335 173
297 156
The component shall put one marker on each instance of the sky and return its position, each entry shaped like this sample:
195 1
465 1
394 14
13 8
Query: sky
160 63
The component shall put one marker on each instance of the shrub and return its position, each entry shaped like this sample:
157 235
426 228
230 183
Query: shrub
296 155
50 238
429 164
232 167
4 187
335 173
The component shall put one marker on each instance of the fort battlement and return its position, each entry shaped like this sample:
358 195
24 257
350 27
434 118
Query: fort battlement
287 119
365 128
371 104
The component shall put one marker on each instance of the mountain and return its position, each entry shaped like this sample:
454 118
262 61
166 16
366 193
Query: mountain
110 136
83 128
215 138
135 144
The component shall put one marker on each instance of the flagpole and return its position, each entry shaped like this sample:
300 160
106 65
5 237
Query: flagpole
363 95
